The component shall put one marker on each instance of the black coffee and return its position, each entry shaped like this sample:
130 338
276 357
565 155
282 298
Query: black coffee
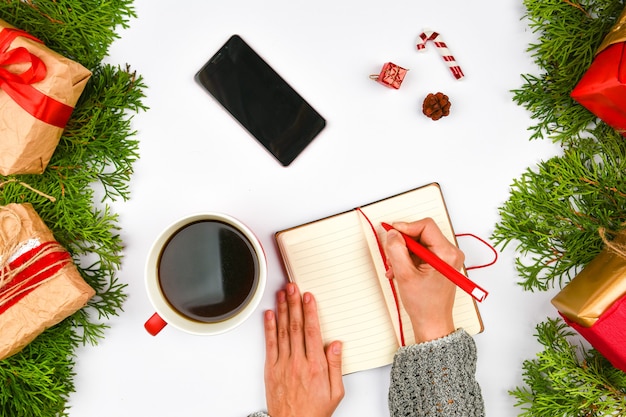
207 271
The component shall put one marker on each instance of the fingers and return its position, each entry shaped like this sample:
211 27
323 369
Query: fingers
282 324
295 329
298 370
285 330
398 255
428 234
312 333
271 338
314 347
335 376
296 320
425 231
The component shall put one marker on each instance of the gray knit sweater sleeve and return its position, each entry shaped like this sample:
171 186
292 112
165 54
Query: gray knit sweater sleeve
436 378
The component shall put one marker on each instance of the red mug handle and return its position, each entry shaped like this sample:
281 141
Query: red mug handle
155 324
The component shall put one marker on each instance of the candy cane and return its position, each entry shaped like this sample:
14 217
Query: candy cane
429 35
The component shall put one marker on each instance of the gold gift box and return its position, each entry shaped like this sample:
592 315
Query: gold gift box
49 303
596 287
28 143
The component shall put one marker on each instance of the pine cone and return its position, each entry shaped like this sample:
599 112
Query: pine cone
436 106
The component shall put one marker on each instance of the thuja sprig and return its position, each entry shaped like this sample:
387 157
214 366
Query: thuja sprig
105 117
555 211
566 379
37 381
80 30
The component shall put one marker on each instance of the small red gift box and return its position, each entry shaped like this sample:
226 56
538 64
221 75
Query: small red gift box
608 334
391 75
602 89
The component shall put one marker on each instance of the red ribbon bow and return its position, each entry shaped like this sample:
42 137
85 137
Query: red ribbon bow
19 86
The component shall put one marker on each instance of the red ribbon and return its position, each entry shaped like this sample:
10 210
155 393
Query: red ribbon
19 86
43 267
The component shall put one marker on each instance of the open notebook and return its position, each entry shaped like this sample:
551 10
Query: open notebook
338 259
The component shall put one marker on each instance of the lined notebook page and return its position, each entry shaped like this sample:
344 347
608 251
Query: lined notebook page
332 259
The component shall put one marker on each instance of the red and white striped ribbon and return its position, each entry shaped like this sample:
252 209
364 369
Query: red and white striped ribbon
429 35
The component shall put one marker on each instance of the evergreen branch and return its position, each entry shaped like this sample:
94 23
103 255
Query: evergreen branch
567 380
80 30
110 292
38 380
554 212
99 135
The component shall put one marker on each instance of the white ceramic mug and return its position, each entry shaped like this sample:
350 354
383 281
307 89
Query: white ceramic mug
164 254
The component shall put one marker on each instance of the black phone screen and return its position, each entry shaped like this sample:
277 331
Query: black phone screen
262 101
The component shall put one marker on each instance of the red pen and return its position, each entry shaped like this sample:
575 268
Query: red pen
440 265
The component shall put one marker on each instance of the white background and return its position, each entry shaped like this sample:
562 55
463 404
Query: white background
195 157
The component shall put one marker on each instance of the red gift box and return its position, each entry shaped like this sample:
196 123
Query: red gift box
391 75
602 89
608 334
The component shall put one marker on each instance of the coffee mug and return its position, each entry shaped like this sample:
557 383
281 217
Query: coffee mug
205 274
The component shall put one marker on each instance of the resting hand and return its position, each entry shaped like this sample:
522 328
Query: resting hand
428 296
301 377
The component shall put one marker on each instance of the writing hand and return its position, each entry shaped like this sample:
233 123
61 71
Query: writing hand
428 296
302 378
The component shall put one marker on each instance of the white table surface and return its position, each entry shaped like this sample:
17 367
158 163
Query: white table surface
195 157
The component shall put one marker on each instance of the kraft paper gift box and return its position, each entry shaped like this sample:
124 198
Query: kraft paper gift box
602 89
38 90
594 302
39 284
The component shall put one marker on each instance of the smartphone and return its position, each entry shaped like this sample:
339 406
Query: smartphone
261 100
